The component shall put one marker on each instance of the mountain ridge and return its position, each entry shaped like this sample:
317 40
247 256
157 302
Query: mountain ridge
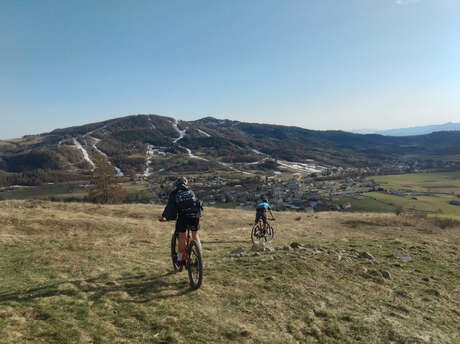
410 131
145 144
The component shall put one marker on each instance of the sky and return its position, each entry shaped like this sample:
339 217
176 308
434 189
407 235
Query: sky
317 64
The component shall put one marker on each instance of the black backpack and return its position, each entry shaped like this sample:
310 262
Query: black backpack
187 203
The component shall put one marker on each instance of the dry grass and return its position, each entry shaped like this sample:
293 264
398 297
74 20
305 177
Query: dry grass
82 273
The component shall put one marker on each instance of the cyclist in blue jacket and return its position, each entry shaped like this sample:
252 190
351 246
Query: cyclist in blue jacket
261 212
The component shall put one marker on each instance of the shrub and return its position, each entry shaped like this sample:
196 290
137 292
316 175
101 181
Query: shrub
444 222
105 187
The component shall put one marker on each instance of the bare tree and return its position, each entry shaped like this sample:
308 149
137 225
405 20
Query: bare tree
105 184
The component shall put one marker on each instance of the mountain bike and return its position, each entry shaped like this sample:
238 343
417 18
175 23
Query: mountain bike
258 233
193 261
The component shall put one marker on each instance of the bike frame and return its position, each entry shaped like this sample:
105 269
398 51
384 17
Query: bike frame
188 239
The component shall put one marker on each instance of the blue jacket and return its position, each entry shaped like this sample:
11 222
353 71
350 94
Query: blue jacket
263 205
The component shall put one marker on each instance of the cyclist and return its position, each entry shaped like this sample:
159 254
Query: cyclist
261 212
184 206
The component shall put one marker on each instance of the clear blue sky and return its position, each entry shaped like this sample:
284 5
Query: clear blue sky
320 64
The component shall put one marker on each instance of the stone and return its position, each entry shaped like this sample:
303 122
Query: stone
245 333
237 251
366 255
386 274
257 247
346 206
261 247
403 257
295 245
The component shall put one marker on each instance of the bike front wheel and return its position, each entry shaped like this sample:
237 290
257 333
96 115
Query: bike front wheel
194 265
174 250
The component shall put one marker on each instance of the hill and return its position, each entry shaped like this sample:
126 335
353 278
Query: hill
421 130
140 145
83 273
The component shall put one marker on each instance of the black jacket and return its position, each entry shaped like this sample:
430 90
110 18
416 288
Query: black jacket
171 210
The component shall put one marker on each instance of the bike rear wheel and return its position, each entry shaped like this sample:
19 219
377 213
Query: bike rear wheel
194 265
174 250
257 234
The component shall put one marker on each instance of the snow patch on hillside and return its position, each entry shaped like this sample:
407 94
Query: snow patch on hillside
189 152
149 153
98 150
181 136
148 159
258 152
159 152
152 126
309 166
256 162
203 133
233 168
92 131
85 153
299 166
180 132
118 171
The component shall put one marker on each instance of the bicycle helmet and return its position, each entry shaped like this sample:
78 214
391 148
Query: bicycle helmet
181 181
265 200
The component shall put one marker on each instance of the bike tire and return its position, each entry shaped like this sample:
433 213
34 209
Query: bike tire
174 248
194 265
270 232
256 236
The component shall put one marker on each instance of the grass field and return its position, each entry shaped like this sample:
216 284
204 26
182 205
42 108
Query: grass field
437 183
65 191
438 190
83 273
367 205
47 191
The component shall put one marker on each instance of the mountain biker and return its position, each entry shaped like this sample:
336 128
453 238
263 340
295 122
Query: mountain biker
184 206
261 212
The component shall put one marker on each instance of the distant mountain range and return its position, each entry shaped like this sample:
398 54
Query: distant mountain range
422 130
142 145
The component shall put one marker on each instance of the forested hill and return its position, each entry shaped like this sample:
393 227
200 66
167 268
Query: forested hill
143 144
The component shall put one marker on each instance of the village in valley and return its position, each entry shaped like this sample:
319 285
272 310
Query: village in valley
305 192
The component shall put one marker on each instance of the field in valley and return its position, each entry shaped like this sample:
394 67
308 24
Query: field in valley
84 273
433 192
74 191
439 183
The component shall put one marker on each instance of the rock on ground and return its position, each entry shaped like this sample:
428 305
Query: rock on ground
386 274
366 255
